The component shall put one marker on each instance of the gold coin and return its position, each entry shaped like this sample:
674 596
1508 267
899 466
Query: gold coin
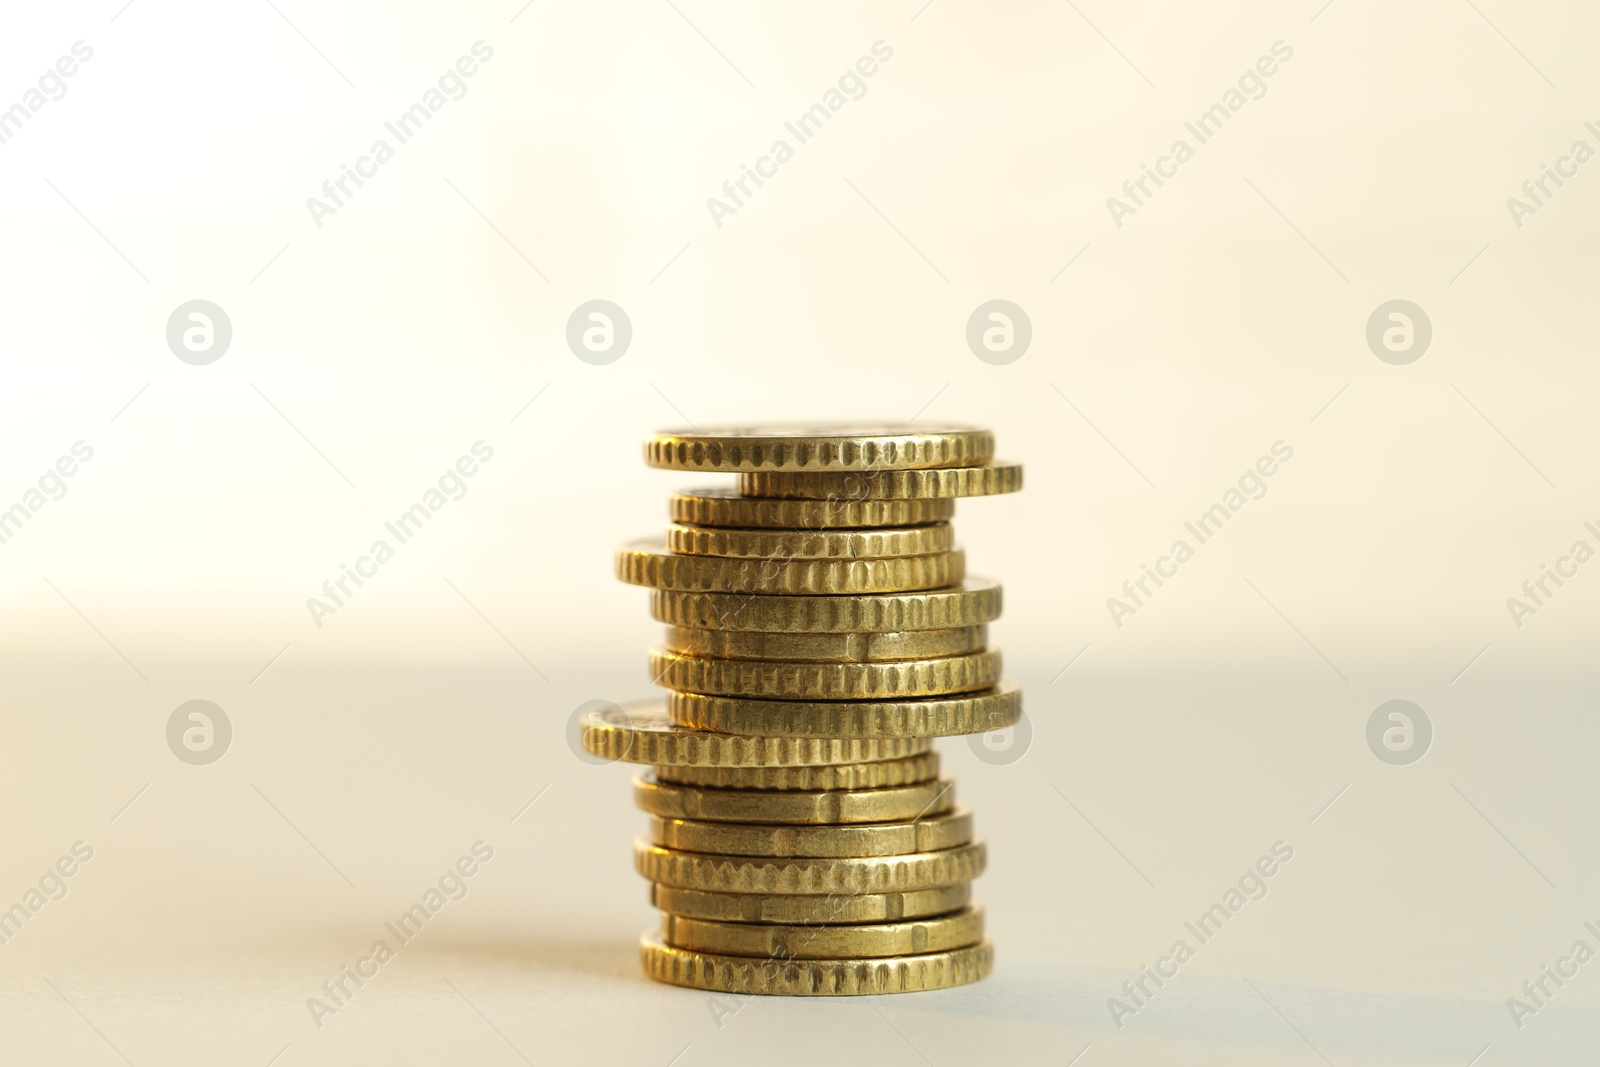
822 807
968 713
986 479
875 543
644 734
969 603
826 648
906 770
765 874
784 942
649 563
724 507
842 447
854 977
815 908
783 680
930 834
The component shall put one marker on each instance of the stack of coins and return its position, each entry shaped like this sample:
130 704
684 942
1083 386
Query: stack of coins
821 632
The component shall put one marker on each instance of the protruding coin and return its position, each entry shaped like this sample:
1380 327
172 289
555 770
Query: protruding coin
766 874
988 479
928 834
843 447
867 940
725 507
815 908
967 713
784 680
810 544
968 603
644 734
855 977
879 774
649 563
826 648
825 807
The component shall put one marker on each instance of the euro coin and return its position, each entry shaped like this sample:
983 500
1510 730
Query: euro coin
879 774
842 447
785 680
988 479
810 908
809 876
821 807
971 602
852 977
929 834
648 563
868 940
810 544
644 734
963 713
826 648
725 507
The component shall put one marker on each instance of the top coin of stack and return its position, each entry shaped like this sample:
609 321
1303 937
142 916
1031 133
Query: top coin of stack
821 631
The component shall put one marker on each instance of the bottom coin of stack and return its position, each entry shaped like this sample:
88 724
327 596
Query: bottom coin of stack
799 865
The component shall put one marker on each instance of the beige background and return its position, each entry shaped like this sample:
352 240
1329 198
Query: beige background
1168 354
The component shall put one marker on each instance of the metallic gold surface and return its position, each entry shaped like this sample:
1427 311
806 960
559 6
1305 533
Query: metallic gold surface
843 447
784 942
725 507
823 807
876 543
787 680
644 734
820 978
879 774
987 479
929 834
648 563
965 713
801 876
970 602
810 908
826 648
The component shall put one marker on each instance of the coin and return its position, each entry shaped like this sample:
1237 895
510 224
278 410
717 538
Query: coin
649 563
826 648
824 807
929 834
724 507
812 908
820 978
785 942
906 770
782 680
644 734
875 543
986 479
968 713
766 874
842 447
968 603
